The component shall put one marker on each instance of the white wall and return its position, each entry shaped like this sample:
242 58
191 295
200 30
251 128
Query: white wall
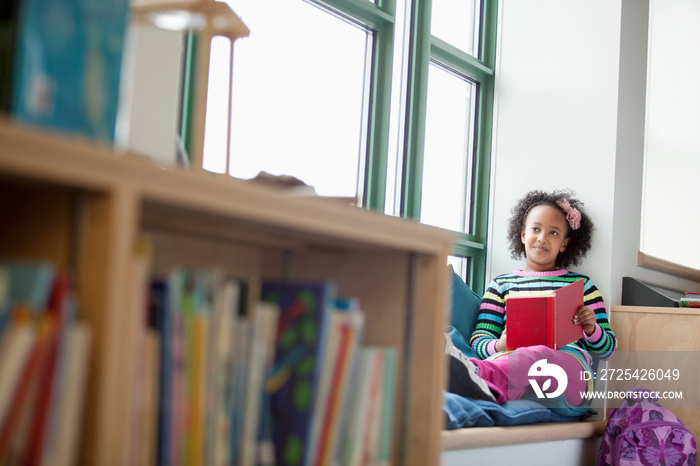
560 78
556 116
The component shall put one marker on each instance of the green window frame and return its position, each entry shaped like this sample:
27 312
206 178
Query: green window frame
423 50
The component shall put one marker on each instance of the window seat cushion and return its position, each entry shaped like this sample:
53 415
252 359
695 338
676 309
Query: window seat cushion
466 412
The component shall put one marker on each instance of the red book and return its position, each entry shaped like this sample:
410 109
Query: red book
58 310
544 319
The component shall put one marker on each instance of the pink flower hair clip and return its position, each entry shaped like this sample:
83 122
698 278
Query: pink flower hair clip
573 215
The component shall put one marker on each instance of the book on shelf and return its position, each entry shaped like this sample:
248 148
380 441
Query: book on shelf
345 335
255 438
201 318
4 299
242 340
64 440
15 433
690 299
40 373
261 372
219 413
61 312
193 314
161 321
16 351
302 331
27 361
386 427
367 431
148 452
192 309
139 349
28 284
544 318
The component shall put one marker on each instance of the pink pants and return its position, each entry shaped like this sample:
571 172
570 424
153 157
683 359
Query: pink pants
514 374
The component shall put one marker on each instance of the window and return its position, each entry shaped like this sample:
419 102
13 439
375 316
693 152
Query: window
671 142
358 99
298 103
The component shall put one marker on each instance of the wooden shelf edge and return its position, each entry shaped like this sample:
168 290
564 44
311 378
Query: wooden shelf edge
78 162
667 267
481 437
689 311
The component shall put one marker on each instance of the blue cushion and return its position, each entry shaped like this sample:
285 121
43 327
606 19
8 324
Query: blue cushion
465 412
465 307
460 342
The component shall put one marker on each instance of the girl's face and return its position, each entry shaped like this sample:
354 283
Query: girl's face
544 237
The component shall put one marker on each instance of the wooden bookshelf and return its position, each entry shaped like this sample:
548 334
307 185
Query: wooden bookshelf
84 206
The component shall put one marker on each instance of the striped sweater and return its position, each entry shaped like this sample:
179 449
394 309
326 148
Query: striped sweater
492 314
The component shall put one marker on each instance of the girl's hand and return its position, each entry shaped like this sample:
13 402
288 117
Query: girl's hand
585 316
501 343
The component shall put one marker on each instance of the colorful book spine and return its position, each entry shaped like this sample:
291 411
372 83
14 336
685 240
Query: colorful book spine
162 321
37 364
329 355
178 412
29 285
302 329
368 434
4 299
225 315
15 351
351 329
690 299
61 310
239 372
387 407
198 388
253 374
16 429
69 415
265 319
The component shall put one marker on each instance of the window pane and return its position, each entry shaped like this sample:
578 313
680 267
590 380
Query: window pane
216 130
399 77
460 265
447 163
299 98
672 146
457 23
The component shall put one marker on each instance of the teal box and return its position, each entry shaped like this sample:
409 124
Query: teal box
67 65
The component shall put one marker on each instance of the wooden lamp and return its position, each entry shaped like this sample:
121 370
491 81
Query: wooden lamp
206 18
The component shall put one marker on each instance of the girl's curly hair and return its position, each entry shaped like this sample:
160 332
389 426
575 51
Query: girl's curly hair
579 240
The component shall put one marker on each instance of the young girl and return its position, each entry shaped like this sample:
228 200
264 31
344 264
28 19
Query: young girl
553 232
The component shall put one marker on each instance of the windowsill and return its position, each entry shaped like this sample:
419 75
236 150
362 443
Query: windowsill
481 437
667 267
